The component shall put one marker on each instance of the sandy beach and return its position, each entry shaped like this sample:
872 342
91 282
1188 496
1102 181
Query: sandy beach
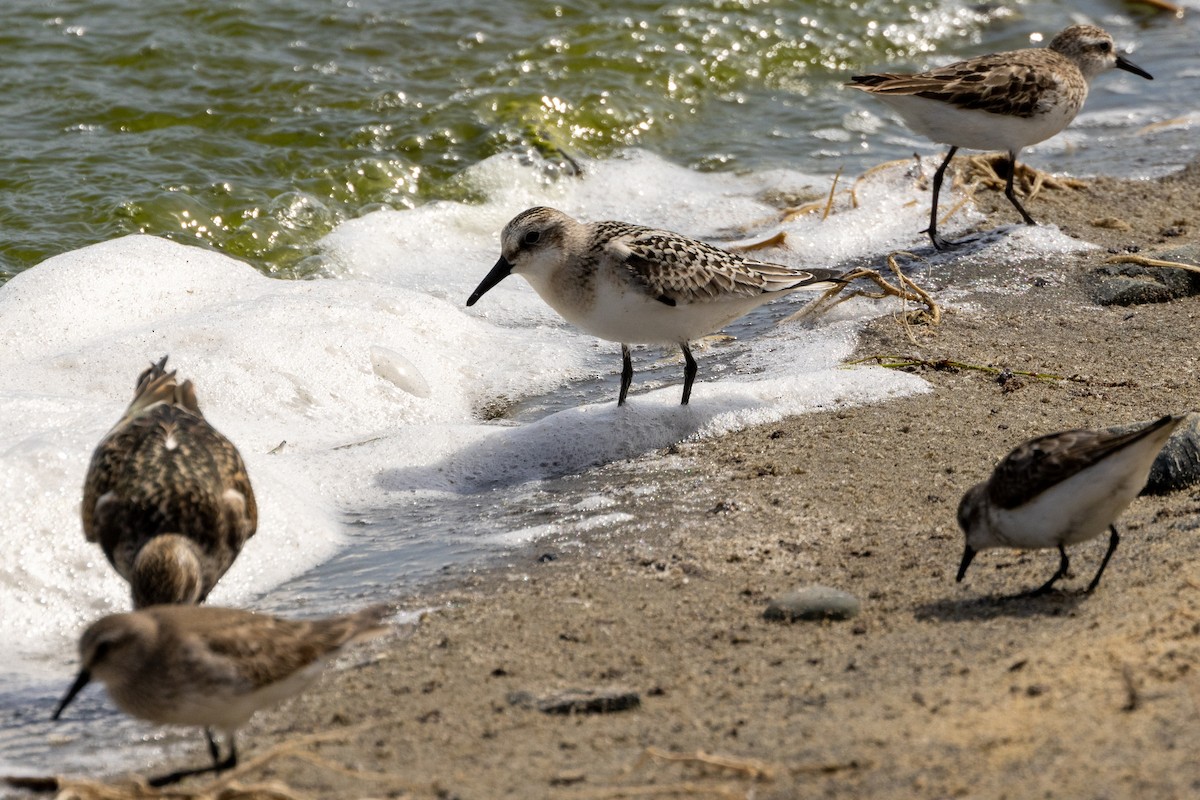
935 689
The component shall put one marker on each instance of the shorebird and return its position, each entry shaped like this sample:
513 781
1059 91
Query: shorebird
167 497
1001 101
1058 490
635 285
210 667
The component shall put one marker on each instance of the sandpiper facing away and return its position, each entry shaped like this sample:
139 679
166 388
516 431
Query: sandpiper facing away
210 667
1001 101
636 285
1061 489
167 496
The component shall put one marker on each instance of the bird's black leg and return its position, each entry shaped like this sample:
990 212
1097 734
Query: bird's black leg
1008 189
1113 539
626 373
938 242
689 372
1063 564
232 760
217 766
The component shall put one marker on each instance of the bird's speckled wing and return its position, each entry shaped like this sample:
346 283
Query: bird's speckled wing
261 649
1046 461
107 462
676 269
168 470
1019 83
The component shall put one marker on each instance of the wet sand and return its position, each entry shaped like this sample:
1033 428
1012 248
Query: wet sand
935 690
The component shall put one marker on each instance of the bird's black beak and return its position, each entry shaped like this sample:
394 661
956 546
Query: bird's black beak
80 681
968 556
499 272
1127 65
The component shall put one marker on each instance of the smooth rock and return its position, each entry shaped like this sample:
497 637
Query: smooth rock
1131 284
813 602
1130 290
578 701
1178 463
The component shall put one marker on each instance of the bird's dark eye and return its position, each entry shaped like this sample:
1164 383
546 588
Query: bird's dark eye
532 237
1104 47
100 652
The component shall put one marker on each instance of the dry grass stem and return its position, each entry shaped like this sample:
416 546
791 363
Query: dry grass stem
686 789
222 788
775 240
832 190
825 206
948 365
1143 261
70 789
750 767
906 290
981 170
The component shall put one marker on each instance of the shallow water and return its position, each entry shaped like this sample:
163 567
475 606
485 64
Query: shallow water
379 153
255 126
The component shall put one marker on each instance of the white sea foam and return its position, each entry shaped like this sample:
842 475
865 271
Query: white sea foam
376 375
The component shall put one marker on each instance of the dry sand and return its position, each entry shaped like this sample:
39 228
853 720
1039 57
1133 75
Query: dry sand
935 690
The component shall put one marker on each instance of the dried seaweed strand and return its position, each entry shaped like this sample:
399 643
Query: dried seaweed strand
907 290
750 767
832 190
283 748
774 240
943 364
686 789
1143 261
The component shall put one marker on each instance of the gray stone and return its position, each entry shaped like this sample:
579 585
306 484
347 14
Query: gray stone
1127 290
813 602
1132 284
578 701
1178 464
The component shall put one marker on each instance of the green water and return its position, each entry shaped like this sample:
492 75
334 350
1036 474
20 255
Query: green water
255 126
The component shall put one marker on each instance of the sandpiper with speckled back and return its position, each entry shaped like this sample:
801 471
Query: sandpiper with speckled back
167 496
1002 101
636 285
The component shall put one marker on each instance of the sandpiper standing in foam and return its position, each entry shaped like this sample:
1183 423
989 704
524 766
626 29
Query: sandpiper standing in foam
1001 101
1061 489
210 667
167 496
635 285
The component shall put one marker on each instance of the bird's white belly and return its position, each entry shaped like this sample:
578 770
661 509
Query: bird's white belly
627 314
1081 507
975 129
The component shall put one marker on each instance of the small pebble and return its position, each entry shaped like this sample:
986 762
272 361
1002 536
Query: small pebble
813 602
578 701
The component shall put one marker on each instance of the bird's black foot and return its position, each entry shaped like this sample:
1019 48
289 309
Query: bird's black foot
1063 566
217 766
176 777
942 244
1040 591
